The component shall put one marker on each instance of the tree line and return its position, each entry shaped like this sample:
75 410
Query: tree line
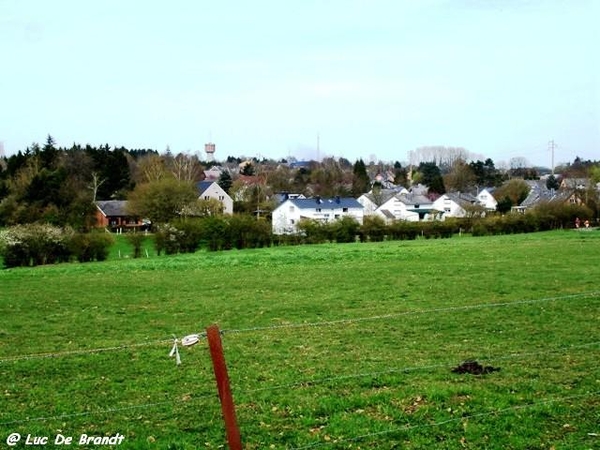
58 185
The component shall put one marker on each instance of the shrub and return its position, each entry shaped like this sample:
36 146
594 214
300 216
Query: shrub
92 246
137 241
167 239
315 232
373 228
345 229
34 244
189 234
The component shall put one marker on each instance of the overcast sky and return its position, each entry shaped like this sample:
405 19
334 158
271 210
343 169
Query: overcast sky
264 78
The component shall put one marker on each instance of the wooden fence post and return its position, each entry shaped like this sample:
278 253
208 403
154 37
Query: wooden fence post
215 345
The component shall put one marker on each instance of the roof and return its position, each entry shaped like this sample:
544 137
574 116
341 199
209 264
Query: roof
383 196
203 186
113 207
331 203
538 192
461 198
413 199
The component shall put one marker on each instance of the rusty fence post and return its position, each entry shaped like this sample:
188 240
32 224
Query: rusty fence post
213 335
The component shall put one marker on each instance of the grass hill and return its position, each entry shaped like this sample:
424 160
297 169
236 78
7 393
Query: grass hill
328 346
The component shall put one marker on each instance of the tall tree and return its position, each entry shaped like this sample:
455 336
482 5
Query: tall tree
360 179
431 177
162 200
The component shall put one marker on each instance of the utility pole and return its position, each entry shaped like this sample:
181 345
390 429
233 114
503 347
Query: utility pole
551 147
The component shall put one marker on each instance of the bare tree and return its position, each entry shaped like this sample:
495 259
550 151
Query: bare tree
95 184
186 167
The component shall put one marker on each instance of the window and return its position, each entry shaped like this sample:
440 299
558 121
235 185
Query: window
221 198
318 209
345 209
337 216
291 208
206 197
292 221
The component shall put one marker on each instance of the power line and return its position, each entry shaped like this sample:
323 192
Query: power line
314 381
105 411
309 325
406 313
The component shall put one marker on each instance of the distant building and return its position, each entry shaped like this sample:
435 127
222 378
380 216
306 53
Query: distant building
289 213
113 215
210 151
210 190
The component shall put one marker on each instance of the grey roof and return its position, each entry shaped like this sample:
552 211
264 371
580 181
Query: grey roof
326 203
382 197
413 199
575 183
111 208
538 193
461 198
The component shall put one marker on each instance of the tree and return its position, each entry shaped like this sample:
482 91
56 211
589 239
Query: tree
162 200
431 177
552 183
225 181
360 178
595 174
185 167
460 177
514 190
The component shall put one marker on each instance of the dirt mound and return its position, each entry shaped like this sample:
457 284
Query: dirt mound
474 368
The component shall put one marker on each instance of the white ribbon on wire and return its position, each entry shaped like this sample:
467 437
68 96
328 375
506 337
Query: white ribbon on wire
187 341
175 352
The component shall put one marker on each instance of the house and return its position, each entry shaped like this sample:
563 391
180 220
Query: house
575 184
372 200
538 193
288 214
113 215
283 196
214 173
211 190
454 204
486 199
405 206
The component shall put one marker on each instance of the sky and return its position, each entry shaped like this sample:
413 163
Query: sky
313 78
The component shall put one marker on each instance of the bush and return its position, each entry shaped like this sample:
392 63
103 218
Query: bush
167 239
137 241
35 244
92 246
345 229
373 228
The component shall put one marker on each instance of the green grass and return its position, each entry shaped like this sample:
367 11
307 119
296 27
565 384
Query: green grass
529 304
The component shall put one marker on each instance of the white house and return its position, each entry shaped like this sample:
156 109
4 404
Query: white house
287 215
487 200
453 204
210 189
409 207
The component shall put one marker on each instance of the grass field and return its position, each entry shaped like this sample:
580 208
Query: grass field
329 346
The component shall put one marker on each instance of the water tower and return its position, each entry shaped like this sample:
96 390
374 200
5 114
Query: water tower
210 151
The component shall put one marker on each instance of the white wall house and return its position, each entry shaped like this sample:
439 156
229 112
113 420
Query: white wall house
487 200
409 207
453 204
287 215
210 189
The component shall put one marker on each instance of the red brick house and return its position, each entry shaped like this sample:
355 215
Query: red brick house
112 214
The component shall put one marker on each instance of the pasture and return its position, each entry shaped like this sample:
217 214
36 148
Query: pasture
328 346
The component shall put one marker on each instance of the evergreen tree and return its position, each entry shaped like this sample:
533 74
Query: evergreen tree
360 179
225 181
